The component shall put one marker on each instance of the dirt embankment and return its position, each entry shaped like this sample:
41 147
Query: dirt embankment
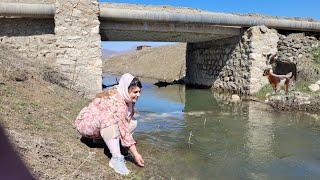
165 63
38 117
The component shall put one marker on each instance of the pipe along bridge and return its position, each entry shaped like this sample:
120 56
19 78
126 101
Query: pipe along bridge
120 23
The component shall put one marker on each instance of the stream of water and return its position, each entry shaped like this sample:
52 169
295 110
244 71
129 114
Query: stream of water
205 136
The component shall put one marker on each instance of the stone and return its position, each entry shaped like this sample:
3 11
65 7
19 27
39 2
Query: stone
318 82
263 29
295 101
268 95
84 33
76 13
235 97
314 87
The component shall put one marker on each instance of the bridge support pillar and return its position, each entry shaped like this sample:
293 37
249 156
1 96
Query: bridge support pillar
78 43
233 64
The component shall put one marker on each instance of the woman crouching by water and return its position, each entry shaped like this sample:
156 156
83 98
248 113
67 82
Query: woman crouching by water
111 117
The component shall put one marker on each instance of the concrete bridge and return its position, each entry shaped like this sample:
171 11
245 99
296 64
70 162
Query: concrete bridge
225 51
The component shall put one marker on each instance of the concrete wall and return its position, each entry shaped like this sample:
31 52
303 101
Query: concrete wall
36 49
260 41
31 39
212 62
79 45
26 27
233 64
70 43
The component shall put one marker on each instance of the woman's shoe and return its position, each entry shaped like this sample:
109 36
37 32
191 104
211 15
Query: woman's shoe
118 164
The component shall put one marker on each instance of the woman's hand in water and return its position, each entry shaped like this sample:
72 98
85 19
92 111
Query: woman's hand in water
137 156
138 159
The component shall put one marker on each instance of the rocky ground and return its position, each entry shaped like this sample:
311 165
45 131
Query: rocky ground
296 101
38 117
304 95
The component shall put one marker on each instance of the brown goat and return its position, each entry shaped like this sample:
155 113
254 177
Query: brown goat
277 81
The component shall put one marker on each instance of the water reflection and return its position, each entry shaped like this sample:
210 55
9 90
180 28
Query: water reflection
260 134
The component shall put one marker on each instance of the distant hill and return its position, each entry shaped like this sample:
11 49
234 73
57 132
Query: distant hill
108 53
166 63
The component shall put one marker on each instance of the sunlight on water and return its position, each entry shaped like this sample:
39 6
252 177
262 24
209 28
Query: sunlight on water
205 136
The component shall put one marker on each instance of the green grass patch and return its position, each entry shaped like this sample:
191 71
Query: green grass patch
39 126
34 105
132 176
316 55
7 90
263 91
23 105
2 108
302 86
34 123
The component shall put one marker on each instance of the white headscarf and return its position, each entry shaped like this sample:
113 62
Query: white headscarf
122 89
123 86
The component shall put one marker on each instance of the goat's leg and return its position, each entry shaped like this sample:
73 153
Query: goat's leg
274 87
286 85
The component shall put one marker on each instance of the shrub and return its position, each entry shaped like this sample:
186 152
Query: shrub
316 55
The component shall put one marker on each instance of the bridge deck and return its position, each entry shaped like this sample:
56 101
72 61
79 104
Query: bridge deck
163 23
157 31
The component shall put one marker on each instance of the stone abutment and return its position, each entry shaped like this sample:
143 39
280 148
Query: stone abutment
234 64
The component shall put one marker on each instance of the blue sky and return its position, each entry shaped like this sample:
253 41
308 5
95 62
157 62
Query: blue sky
288 8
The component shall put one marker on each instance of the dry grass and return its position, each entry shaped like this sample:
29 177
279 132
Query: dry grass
40 125
38 117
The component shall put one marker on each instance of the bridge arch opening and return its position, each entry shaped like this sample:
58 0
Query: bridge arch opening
155 61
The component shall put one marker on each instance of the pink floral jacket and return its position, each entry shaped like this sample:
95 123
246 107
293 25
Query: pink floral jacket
103 112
